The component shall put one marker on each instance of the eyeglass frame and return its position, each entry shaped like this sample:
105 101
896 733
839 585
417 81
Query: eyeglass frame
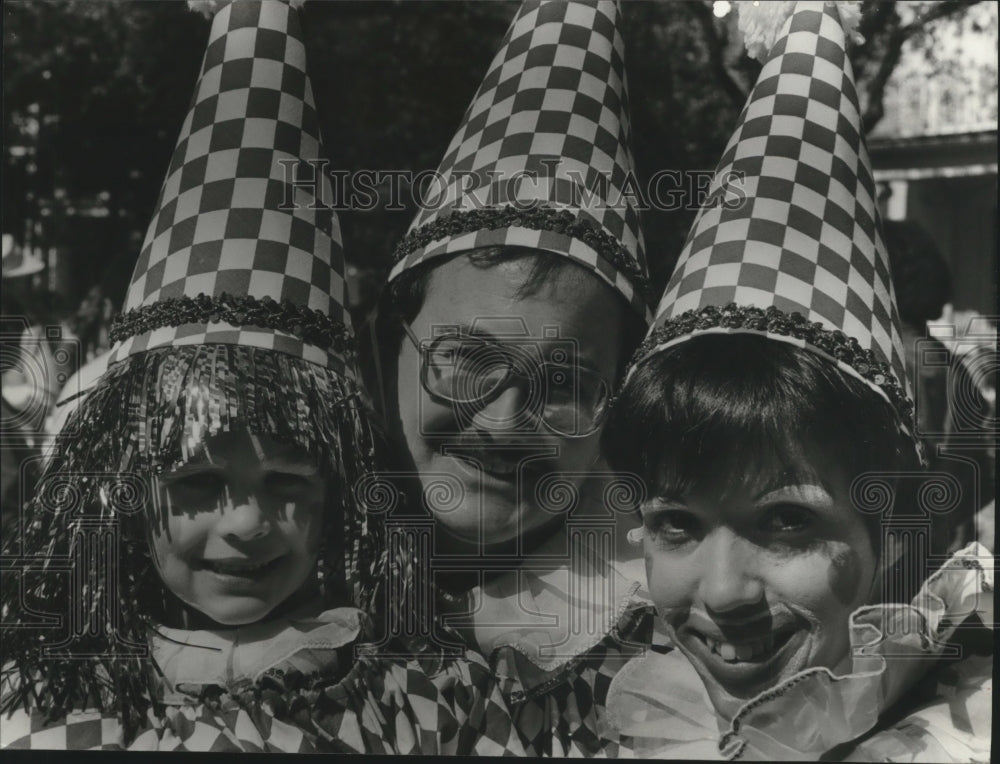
423 346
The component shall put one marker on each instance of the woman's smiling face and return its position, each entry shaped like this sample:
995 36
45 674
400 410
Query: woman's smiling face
237 529
757 584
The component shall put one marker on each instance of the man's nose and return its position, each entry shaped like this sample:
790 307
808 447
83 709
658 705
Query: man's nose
511 410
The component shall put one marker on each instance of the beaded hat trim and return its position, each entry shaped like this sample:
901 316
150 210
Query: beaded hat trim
559 221
309 325
844 350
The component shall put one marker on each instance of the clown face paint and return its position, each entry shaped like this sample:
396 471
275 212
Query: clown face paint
757 581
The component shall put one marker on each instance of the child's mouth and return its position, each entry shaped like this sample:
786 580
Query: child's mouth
246 569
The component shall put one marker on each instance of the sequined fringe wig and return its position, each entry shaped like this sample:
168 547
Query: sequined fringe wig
83 539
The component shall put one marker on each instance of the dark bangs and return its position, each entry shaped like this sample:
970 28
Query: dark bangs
708 415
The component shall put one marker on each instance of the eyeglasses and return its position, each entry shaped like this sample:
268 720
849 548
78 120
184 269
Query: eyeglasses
470 372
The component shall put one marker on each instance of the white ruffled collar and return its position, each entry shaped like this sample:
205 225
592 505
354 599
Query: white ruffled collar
303 641
660 702
550 616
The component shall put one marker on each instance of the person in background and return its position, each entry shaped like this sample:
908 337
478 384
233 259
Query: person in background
91 323
954 400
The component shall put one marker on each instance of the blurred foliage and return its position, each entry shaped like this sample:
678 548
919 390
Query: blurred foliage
97 90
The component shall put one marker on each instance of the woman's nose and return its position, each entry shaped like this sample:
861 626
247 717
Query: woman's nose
243 519
730 577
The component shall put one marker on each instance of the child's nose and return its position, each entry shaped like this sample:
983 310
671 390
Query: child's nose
243 519
729 572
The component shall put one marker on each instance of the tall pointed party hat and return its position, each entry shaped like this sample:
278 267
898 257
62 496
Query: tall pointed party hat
542 158
243 247
789 243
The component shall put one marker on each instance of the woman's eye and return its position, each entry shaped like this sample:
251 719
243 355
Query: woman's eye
673 526
788 518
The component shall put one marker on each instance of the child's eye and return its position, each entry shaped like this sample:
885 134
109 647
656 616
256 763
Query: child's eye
673 526
207 484
788 519
287 483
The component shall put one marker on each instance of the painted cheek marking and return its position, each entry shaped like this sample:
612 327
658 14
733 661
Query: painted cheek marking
845 575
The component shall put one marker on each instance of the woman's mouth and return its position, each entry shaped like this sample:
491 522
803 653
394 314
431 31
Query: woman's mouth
756 650
746 666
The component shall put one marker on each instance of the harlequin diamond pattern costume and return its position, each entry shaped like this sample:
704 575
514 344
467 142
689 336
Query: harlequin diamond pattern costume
234 319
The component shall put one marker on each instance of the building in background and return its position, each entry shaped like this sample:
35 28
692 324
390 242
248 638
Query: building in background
934 152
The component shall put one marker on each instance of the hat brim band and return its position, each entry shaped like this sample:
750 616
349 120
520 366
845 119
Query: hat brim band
773 323
546 229
310 326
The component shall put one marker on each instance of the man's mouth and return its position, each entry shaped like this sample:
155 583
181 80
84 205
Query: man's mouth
501 463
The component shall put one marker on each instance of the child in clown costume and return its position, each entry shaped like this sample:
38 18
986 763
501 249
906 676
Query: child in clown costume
785 532
198 522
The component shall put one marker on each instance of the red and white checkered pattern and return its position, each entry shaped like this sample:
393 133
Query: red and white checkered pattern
553 109
792 222
228 218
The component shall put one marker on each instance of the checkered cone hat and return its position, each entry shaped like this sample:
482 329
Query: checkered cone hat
789 242
542 158
236 252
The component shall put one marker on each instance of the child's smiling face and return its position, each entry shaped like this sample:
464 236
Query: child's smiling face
758 583
238 528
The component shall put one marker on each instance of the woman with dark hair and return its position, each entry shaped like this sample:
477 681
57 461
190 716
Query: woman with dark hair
786 529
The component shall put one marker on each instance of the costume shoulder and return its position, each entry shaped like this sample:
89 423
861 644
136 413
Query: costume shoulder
949 716
425 705
197 727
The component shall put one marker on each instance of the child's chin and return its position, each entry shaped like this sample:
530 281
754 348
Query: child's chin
241 613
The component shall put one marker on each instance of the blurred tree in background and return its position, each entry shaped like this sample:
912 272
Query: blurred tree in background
95 92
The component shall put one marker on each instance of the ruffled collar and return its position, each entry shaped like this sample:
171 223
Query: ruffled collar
661 704
305 641
533 622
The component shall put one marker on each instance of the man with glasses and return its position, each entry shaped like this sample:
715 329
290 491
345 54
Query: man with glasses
516 300
502 379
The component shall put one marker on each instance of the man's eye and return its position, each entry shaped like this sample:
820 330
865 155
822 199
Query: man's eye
788 519
673 526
